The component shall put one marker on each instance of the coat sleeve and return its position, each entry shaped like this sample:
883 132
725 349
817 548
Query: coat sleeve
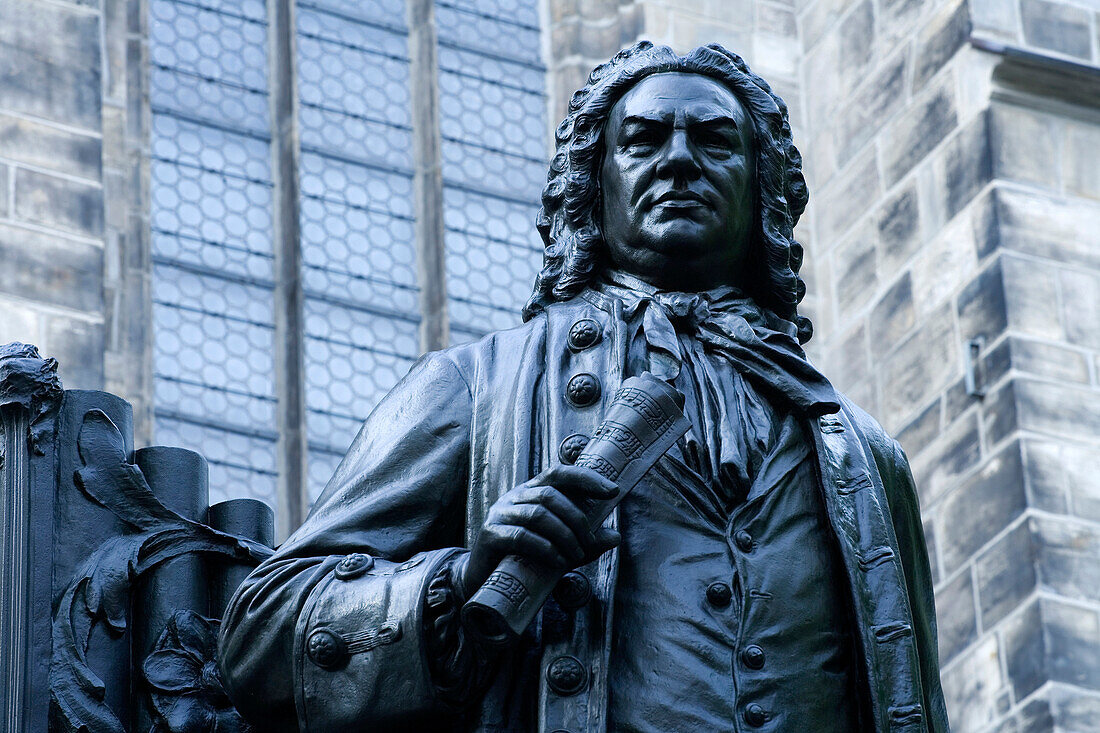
905 516
330 632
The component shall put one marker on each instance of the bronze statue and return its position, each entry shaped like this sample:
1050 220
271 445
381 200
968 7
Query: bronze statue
769 571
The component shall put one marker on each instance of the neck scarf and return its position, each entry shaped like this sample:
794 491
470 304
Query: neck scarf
758 344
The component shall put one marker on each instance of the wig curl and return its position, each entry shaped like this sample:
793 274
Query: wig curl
570 217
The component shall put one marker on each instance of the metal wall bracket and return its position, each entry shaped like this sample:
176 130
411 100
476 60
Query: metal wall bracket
973 378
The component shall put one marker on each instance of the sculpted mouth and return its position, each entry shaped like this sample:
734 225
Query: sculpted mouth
680 199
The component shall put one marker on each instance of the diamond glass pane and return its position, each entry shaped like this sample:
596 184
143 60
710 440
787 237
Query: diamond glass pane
358 252
492 119
211 222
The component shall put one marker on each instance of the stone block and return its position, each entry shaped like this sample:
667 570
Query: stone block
1056 26
915 436
51 270
1073 638
818 18
1068 555
855 269
933 557
1026 145
5 187
939 39
944 264
978 510
1005 575
1024 650
1036 716
972 685
961 168
938 467
775 20
981 306
1051 361
1000 413
774 55
848 196
987 225
78 346
1082 480
1031 292
955 616
898 223
848 364
872 106
1061 228
921 127
59 202
1081 306
897 18
1059 409
995 18
50 62
1076 709
20 323
1046 476
892 317
48 147
920 367
1082 174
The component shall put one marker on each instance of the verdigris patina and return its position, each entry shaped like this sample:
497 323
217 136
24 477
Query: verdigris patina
768 573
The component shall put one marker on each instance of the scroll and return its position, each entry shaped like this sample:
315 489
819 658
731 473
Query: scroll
643 421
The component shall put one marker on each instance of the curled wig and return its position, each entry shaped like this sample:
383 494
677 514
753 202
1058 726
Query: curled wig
569 220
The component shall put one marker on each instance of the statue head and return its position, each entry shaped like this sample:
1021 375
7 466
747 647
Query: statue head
716 204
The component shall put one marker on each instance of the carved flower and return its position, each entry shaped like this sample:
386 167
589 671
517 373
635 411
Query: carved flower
187 691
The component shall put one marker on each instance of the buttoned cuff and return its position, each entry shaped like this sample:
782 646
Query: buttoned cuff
461 669
361 661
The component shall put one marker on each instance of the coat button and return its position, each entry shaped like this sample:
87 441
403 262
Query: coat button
326 649
353 566
755 715
583 334
583 390
719 594
743 540
571 447
753 657
566 675
572 591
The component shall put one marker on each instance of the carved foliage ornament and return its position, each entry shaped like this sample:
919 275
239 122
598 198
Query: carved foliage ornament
100 590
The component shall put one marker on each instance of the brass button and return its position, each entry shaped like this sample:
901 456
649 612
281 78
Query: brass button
571 447
753 657
719 594
584 334
566 675
743 540
353 566
572 591
326 649
755 715
583 390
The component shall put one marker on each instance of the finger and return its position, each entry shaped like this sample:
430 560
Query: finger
606 539
578 480
513 540
547 525
561 506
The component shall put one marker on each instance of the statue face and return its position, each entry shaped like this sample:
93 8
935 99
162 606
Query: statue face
677 182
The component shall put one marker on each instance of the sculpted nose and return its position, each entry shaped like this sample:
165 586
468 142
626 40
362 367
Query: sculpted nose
678 161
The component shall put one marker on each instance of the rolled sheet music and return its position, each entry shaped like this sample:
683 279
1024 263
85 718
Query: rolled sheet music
643 421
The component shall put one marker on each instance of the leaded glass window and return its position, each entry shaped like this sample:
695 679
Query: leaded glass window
214 244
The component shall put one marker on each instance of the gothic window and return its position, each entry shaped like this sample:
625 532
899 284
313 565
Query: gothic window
216 243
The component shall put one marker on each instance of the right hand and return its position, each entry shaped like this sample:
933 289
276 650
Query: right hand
541 521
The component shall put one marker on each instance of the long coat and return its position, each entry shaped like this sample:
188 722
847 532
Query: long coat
312 643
